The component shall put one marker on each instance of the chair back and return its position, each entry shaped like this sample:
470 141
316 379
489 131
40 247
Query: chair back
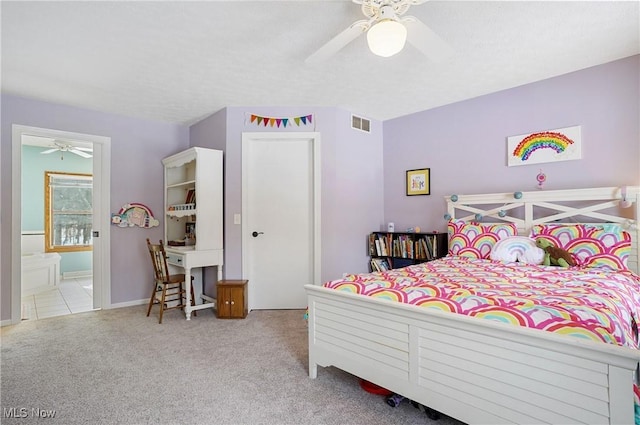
159 260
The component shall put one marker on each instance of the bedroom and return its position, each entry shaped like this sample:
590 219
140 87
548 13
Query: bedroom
603 99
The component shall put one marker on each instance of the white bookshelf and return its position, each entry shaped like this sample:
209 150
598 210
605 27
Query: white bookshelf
193 200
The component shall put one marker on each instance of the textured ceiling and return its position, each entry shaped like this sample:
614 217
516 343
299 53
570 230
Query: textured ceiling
182 61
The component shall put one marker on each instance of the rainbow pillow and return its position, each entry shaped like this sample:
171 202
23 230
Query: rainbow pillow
604 246
476 240
517 248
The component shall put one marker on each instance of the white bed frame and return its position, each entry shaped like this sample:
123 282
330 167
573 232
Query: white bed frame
476 370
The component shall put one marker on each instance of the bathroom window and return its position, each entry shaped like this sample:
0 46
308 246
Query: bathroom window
68 212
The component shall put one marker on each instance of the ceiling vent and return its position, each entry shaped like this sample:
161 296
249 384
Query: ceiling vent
361 124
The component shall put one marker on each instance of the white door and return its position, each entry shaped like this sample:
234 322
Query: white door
101 224
281 217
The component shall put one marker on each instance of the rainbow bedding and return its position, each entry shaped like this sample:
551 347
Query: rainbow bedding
597 304
589 303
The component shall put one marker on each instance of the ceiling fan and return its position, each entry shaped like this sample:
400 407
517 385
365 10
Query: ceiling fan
387 32
67 147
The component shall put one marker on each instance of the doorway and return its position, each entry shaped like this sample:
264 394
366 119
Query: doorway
281 224
99 261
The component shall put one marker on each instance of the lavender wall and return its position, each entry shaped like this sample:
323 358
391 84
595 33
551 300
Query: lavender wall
351 181
137 147
464 144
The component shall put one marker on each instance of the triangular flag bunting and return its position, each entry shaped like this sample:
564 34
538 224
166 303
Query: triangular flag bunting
277 122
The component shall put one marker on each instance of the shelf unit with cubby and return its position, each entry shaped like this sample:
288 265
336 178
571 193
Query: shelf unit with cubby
193 211
193 199
392 250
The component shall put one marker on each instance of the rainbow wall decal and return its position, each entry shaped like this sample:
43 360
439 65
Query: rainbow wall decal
563 144
134 214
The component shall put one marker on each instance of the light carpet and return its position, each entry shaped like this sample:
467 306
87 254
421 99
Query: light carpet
121 367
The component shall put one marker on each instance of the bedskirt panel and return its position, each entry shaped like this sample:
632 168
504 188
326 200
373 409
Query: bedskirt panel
475 370
514 385
371 339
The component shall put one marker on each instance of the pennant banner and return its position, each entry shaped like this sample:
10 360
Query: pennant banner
281 122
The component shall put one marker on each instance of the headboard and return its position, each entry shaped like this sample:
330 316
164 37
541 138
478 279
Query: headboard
525 209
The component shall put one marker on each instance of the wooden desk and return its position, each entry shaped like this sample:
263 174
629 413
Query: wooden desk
188 259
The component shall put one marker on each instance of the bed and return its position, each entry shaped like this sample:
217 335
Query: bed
483 371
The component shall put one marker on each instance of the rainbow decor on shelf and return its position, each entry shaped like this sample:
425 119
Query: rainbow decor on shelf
562 144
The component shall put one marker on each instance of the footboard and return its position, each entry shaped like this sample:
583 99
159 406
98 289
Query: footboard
475 370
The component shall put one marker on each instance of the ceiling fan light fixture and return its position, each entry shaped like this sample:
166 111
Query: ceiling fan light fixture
387 37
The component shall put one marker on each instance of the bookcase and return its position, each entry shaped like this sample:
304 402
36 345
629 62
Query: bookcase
193 189
392 250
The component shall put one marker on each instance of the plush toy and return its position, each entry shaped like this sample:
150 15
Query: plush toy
554 256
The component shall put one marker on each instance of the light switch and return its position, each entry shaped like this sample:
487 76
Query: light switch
237 219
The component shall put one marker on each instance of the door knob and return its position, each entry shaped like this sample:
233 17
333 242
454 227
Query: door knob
255 234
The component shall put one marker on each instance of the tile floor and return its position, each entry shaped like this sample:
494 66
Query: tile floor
74 295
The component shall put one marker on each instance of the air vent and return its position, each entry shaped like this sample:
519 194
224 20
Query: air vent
361 124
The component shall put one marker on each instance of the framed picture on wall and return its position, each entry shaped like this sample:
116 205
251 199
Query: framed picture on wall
418 182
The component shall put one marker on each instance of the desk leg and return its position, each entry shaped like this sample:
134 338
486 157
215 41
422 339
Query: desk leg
219 267
187 283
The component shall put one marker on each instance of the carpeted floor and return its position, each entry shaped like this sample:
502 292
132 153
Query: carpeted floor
121 367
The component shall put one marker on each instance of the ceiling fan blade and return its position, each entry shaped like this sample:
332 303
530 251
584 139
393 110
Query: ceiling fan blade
81 153
424 39
83 149
339 41
50 150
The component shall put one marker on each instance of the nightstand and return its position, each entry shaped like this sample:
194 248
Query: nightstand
231 299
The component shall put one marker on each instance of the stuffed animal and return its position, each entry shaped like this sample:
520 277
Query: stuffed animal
554 256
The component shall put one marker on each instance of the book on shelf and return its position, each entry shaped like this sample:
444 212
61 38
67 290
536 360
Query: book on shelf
428 247
379 265
383 246
374 265
402 247
191 196
423 249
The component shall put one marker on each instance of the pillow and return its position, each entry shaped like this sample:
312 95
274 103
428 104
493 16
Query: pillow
602 246
517 248
476 240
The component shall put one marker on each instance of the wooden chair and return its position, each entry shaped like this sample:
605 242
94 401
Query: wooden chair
168 290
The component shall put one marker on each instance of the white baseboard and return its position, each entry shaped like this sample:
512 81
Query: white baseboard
79 273
129 303
8 322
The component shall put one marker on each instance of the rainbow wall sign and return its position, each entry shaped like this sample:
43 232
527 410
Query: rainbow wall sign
563 144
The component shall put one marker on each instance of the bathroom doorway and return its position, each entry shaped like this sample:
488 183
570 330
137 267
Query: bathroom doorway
56 285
